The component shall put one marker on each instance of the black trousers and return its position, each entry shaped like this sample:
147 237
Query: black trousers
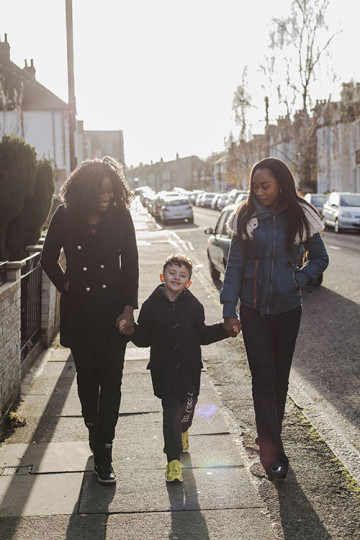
99 374
270 343
178 414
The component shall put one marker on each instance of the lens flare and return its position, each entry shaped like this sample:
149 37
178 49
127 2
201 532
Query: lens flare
206 411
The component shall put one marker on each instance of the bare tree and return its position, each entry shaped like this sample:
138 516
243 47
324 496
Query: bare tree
241 105
298 43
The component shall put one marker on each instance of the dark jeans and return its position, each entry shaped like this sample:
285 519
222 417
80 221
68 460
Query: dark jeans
178 413
99 374
270 342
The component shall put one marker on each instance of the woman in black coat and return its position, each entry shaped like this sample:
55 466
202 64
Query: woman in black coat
98 289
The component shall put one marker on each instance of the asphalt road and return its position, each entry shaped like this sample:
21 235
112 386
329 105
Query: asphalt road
326 368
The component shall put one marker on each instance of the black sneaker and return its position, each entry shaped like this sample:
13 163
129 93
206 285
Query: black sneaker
277 472
102 464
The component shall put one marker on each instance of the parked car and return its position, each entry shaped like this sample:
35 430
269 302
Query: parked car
342 211
233 195
219 246
215 201
176 209
222 201
206 200
241 198
219 243
317 200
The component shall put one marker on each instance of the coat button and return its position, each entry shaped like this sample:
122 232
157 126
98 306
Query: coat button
102 266
87 289
104 286
84 269
79 247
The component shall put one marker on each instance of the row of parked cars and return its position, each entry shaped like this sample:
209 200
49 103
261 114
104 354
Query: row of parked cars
167 206
340 211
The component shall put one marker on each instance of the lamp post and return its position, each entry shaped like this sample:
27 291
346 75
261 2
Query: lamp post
71 84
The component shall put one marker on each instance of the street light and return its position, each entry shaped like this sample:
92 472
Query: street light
71 84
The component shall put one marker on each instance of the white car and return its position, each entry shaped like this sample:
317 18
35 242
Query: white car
316 199
176 209
342 211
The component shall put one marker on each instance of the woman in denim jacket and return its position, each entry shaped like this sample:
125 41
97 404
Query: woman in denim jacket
272 231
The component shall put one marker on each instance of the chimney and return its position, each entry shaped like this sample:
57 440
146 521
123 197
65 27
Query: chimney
30 69
4 49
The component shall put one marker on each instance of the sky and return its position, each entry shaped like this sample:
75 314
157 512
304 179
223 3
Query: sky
165 71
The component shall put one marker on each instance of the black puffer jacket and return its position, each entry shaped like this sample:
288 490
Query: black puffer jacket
175 331
102 271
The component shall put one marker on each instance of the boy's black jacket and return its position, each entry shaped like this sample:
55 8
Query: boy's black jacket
175 331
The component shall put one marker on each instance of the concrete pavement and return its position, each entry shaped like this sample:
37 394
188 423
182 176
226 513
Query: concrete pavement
48 489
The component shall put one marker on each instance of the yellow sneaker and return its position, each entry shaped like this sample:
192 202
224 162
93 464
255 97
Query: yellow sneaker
185 441
173 471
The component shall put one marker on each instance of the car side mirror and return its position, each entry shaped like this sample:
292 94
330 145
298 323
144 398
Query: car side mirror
209 230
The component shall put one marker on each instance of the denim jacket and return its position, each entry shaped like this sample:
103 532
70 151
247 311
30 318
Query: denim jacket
264 273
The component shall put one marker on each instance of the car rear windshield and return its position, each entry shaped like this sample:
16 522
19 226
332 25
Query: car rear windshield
318 199
352 199
176 202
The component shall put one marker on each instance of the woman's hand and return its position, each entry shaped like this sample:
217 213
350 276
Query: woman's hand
125 321
232 326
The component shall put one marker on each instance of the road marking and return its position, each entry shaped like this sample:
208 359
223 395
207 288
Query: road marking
334 247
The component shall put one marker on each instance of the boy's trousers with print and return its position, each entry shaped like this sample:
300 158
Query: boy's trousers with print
270 343
178 413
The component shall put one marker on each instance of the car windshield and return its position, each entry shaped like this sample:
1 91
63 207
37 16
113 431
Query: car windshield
350 199
318 199
176 202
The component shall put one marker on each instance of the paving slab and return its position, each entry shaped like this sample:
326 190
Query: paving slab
34 495
146 490
205 525
61 527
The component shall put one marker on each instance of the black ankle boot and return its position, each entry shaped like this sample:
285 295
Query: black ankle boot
277 472
102 464
92 427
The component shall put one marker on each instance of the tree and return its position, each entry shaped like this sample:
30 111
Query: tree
26 190
298 43
17 182
241 104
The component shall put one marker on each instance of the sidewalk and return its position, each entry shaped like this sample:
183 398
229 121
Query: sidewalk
48 490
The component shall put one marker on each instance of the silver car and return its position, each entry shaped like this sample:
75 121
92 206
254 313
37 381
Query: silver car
342 211
176 209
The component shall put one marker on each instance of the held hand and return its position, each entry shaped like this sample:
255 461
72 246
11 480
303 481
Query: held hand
125 321
232 326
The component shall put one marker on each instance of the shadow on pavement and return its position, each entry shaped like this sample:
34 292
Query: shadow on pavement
46 426
298 518
184 497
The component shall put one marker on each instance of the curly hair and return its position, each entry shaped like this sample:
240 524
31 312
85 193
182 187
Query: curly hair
178 260
81 191
296 218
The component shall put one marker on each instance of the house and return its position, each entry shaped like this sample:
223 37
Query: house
31 111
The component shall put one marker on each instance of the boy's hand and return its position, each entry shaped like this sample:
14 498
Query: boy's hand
232 326
125 321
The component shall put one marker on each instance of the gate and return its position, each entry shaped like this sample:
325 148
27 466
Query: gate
30 304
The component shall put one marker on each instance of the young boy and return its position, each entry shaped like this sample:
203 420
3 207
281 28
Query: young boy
172 323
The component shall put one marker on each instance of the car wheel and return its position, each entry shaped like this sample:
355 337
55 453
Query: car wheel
215 274
336 226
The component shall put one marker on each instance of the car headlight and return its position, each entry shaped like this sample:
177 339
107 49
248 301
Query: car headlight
345 213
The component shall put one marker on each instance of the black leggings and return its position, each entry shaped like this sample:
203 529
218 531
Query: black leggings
270 342
178 413
99 374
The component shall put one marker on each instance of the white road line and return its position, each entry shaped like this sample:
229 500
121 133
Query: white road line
333 247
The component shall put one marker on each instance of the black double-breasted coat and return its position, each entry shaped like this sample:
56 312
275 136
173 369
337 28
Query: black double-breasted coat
175 332
102 270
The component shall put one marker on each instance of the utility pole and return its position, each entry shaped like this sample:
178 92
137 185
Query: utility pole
71 84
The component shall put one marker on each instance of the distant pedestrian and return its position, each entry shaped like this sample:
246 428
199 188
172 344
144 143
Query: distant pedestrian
272 231
98 288
172 323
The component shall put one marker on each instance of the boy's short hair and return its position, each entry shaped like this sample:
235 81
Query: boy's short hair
178 260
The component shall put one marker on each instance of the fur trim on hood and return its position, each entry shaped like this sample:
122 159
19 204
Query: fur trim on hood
315 223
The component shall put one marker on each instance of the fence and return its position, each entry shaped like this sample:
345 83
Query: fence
31 279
